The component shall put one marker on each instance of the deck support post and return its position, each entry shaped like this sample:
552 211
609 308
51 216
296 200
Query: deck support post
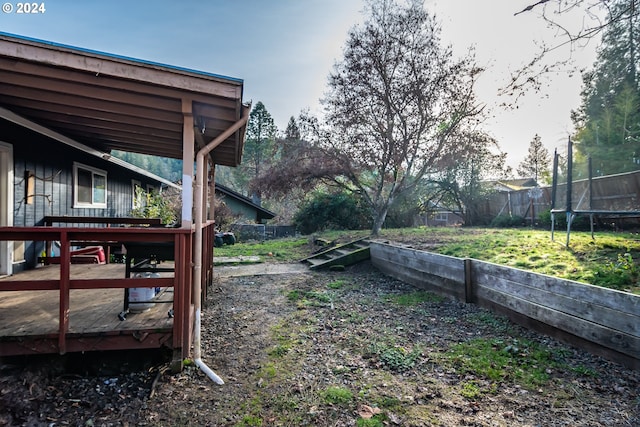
188 155
65 269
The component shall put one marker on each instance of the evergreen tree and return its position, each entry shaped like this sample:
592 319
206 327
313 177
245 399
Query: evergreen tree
258 149
608 120
537 163
293 130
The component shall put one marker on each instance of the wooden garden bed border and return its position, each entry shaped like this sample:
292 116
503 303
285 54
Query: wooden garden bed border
602 321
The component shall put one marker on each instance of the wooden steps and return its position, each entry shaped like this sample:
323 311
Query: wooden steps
346 254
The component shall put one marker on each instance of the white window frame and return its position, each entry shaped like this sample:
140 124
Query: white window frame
442 216
94 171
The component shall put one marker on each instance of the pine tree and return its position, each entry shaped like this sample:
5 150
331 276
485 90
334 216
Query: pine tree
537 163
608 120
258 149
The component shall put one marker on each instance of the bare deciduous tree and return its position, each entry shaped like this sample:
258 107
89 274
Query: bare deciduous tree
575 24
393 104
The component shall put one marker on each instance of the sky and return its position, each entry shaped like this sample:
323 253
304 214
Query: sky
284 50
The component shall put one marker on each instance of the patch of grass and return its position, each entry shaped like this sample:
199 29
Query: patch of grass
267 371
355 317
618 273
375 421
584 371
287 249
294 295
279 350
311 298
523 264
415 298
395 357
489 319
249 421
337 396
337 284
470 390
521 361
389 402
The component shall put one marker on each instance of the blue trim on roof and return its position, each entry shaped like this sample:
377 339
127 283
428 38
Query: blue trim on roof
115 56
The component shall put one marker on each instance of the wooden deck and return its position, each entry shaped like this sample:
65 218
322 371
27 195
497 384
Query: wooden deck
29 320
91 311
75 307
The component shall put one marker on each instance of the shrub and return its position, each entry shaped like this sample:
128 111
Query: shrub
544 219
506 221
579 223
153 204
332 211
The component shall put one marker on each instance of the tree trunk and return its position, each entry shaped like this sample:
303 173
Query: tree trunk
378 221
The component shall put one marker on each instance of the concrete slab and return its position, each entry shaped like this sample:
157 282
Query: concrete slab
218 260
259 269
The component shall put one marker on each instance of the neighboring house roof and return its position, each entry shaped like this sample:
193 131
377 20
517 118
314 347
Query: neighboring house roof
438 208
261 212
513 184
110 102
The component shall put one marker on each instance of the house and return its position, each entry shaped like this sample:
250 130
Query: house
63 109
242 205
52 178
440 216
512 184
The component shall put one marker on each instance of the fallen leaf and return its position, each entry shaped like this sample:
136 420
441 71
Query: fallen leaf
366 411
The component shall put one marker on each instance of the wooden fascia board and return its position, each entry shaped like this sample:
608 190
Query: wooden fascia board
120 67
46 71
74 88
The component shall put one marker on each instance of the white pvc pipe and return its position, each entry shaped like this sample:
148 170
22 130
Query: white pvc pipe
197 246
198 361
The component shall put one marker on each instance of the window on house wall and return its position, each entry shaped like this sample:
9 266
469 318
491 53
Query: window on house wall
442 216
90 187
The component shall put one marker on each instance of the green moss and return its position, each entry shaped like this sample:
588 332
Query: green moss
337 395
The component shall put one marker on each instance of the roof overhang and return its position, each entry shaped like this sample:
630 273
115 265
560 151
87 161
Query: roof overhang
28 124
108 102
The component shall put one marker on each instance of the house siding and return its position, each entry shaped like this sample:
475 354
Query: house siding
51 163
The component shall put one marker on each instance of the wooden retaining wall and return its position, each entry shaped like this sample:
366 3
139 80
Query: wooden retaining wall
600 320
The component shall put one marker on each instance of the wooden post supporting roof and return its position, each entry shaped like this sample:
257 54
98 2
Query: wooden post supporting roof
188 158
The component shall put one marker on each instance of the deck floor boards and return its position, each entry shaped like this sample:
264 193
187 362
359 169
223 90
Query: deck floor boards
91 311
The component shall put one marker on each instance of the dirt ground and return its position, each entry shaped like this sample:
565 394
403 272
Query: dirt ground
307 348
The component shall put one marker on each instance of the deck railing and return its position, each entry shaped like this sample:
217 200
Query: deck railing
181 239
